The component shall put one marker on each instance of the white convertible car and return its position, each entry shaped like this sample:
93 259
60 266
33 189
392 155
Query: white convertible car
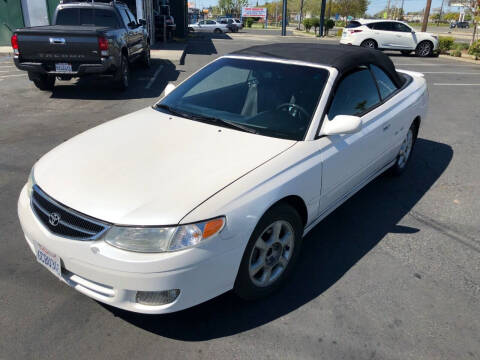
214 187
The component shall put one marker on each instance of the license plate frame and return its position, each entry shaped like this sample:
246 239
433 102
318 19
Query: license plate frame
49 260
63 68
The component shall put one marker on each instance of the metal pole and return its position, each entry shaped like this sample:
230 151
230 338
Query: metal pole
322 17
284 18
426 15
388 9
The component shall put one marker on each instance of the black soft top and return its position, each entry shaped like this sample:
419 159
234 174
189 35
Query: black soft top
342 57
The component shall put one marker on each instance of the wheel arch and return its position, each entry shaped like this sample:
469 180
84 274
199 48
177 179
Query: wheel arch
297 203
370 39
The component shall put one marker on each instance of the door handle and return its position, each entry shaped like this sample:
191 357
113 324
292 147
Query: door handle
386 127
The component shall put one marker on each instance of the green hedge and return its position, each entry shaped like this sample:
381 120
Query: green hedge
445 43
474 49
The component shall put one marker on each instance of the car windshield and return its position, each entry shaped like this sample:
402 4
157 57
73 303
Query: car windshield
268 98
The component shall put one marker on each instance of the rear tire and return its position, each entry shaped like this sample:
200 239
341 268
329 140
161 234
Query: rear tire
42 81
218 31
405 152
271 253
146 57
369 43
424 49
122 76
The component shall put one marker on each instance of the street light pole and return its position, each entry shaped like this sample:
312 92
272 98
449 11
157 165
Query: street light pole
426 15
284 18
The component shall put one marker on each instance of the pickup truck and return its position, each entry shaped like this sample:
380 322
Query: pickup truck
87 38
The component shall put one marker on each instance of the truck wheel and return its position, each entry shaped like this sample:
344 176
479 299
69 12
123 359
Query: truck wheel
42 81
122 76
271 253
146 57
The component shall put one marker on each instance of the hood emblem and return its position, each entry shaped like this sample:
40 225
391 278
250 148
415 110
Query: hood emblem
54 219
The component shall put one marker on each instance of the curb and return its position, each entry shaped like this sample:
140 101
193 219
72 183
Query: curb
471 61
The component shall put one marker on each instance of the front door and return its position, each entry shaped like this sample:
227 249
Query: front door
352 158
404 37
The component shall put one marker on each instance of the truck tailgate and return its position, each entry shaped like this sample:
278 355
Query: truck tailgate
59 43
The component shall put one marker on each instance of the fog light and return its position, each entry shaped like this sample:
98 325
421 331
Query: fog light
153 298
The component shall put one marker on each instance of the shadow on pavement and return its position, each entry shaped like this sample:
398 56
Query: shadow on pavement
329 251
202 43
101 88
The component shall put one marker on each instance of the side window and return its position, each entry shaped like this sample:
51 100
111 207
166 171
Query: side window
385 26
210 22
355 94
131 16
125 18
201 22
401 27
385 84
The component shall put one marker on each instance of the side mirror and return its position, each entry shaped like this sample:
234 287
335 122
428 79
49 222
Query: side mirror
341 124
132 24
169 88
142 22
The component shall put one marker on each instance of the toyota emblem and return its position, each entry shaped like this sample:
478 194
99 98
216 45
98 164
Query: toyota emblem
54 219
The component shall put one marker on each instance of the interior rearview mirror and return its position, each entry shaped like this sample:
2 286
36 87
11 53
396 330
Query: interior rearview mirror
341 124
169 88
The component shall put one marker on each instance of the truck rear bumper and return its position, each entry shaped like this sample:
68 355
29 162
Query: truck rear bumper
106 65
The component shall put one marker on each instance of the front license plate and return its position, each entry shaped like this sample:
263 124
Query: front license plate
50 260
63 67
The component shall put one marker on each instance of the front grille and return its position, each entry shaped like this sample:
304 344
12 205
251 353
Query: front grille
65 222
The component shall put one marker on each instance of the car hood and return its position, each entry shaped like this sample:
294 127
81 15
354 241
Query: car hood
149 168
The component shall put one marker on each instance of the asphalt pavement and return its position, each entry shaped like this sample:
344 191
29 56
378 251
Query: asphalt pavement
394 273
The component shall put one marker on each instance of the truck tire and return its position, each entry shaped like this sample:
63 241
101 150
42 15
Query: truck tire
146 57
42 81
122 75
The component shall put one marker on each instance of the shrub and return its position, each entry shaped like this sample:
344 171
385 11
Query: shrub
460 46
329 24
307 23
315 24
249 22
474 49
445 43
456 53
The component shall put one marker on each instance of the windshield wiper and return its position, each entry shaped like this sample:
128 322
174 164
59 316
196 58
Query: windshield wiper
173 111
230 124
211 119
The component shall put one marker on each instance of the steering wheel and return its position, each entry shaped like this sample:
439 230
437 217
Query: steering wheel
293 109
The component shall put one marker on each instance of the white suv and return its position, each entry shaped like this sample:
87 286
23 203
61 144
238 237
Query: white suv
391 35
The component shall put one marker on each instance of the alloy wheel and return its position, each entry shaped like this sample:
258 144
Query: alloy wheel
271 253
405 149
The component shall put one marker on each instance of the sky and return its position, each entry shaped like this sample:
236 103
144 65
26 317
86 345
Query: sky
375 5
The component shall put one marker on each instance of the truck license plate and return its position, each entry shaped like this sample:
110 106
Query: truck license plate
50 260
63 67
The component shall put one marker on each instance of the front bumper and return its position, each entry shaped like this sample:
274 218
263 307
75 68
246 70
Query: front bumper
113 276
106 65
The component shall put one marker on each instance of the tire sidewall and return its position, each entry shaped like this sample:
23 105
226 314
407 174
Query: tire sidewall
417 50
244 287
396 169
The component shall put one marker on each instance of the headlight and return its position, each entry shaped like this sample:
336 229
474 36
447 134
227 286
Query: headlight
30 183
161 239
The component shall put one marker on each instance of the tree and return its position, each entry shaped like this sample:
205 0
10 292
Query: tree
355 8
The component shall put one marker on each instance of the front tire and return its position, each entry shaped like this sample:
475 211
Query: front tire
146 57
271 253
369 43
424 49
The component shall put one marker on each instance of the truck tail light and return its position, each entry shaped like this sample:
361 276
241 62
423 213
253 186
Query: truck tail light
103 46
15 44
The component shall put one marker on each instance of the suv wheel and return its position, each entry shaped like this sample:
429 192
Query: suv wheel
424 49
369 43
271 253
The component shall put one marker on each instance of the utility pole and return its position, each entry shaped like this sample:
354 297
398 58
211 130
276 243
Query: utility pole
403 1
284 18
426 15
388 9
322 17
441 12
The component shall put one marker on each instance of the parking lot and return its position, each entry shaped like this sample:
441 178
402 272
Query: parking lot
394 273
